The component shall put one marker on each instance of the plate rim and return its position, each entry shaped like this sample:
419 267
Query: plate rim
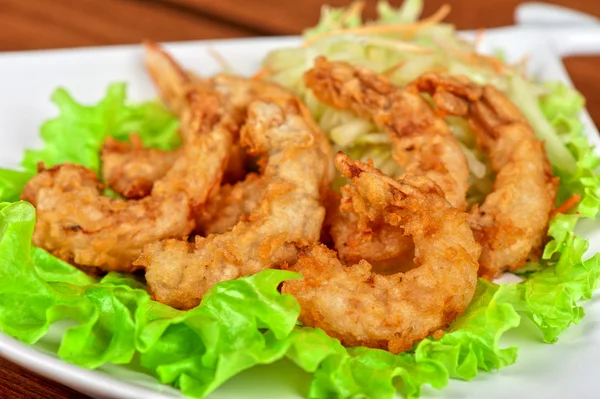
92 381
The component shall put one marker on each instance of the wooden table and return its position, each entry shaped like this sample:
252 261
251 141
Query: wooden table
45 24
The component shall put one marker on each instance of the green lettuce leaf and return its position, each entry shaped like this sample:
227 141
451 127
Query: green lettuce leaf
560 99
472 341
365 372
77 134
12 183
239 324
54 270
550 297
114 318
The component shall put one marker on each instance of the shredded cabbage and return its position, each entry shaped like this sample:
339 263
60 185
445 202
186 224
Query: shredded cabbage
403 56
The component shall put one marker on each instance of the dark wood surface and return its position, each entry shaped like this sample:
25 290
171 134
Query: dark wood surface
46 24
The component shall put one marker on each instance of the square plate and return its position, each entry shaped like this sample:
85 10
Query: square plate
565 369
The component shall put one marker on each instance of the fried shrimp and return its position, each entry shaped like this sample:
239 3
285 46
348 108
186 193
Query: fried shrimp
386 248
391 312
173 82
130 169
289 215
422 145
169 78
79 225
236 92
512 222
233 203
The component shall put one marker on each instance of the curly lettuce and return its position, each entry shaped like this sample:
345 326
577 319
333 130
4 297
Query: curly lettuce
550 297
239 324
77 134
115 318
246 322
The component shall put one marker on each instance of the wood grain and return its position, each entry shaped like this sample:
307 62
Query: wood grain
42 24
45 24
270 16
19 383
584 73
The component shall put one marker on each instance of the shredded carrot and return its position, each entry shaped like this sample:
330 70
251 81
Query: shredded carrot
474 58
479 37
498 65
393 68
261 73
398 45
219 58
438 16
566 206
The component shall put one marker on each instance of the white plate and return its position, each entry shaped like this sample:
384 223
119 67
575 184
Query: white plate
566 369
